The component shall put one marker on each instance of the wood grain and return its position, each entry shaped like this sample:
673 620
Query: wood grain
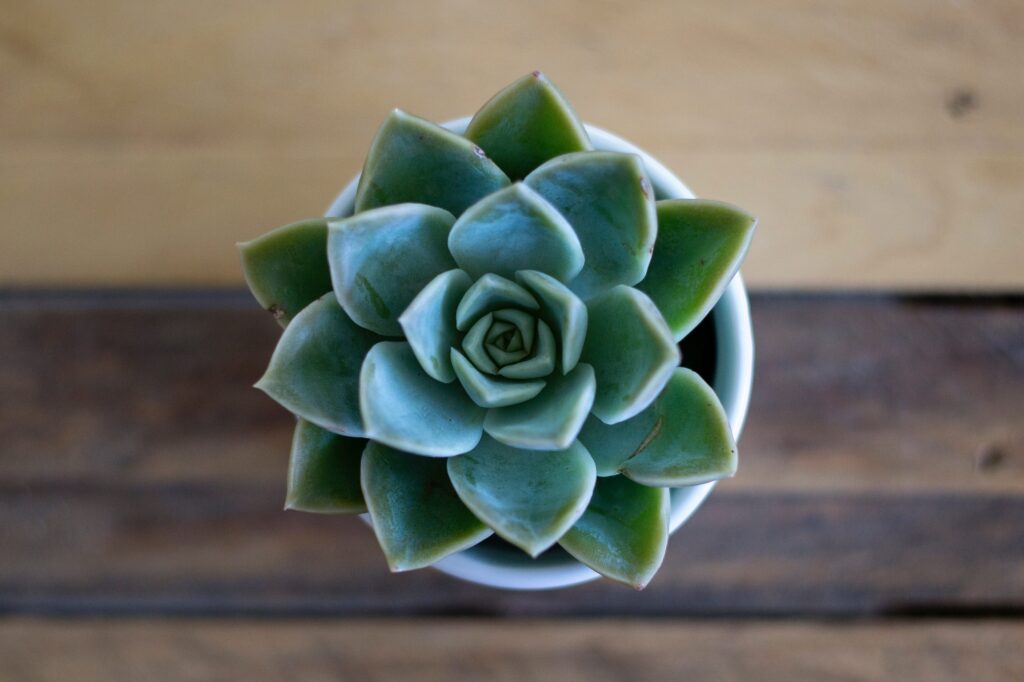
880 142
230 549
881 472
860 395
456 650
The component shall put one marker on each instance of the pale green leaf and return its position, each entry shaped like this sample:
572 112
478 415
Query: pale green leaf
314 371
529 498
632 351
406 408
413 160
381 259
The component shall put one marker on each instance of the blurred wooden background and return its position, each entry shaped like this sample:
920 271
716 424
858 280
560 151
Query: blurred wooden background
876 528
881 142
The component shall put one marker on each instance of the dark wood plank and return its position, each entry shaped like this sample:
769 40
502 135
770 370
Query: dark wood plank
225 550
851 394
456 650
881 472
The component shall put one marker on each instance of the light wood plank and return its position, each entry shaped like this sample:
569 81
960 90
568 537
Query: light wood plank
880 142
455 650
910 221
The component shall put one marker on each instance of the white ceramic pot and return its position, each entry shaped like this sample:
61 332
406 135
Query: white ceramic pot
496 565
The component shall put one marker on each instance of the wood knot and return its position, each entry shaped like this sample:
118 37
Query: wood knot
989 458
961 102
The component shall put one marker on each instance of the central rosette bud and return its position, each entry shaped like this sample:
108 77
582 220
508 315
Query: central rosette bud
507 343
508 349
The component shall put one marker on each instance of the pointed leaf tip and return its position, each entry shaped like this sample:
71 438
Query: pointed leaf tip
323 472
491 292
623 534
605 197
417 516
627 382
286 269
700 246
549 421
314 371
381 259
529 498
414 160
515 229
563 310
526 124
489 391
429 323
682 439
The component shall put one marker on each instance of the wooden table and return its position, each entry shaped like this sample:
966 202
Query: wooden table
876 527
875 531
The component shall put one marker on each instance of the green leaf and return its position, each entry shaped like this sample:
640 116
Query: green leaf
550 421
700 247
524 322
632 351
429 323
529 498
413 160
488 391
286 269
526 124
682 439
488 293
382 258
542 361
323 474
624 532
473 344
405 408
607 199
695 443
314 371
563 311
417 516
515 229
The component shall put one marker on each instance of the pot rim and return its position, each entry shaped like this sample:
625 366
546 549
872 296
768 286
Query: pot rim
732 383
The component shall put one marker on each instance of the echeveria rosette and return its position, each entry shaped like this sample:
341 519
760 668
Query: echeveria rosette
489 343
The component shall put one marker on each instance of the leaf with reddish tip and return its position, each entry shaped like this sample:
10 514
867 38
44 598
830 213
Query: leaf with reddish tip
526 124
286 269
413 160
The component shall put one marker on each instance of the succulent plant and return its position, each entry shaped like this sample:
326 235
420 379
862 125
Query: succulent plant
489 343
